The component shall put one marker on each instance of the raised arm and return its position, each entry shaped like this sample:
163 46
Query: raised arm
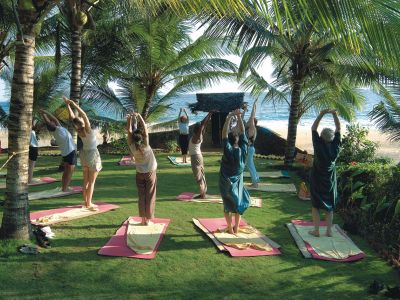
336 119
48 117
129 128
180 114
240 123
318 119
251 122
144 126
205 121
225 129
81 113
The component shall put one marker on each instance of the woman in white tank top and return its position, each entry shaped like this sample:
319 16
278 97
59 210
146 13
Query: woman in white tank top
89 155
146 167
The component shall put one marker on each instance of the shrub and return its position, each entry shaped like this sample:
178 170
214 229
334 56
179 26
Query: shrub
170 146
356 147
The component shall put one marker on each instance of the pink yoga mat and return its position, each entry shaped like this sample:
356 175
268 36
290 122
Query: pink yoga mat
117 246
103 207
314 254
126 161
213 225
44 180
187 196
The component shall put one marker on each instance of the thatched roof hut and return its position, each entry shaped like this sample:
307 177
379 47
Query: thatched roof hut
221 102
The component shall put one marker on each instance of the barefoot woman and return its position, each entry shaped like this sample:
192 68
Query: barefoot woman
89 155
234 195
146 167
323 173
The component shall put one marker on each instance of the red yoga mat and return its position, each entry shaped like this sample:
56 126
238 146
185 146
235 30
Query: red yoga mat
213 225
117 246
314 254
126 161
103 207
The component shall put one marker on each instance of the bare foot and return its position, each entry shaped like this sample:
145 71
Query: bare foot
314 233
200 196
229 229
254 185
328 233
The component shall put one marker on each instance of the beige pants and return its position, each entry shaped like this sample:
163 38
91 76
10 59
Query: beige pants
147 184
198 172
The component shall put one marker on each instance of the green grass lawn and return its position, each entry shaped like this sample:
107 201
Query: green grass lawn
187 264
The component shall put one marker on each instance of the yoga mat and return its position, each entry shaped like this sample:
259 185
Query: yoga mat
34 216
117 245
270 174
177 161
126 161
209 226
54 193
190 197
298 228
273 187
38 181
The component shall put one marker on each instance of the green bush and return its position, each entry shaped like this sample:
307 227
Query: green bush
356 147
170 146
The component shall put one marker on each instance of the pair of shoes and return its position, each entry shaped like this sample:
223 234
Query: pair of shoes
375 287
41 238
29 249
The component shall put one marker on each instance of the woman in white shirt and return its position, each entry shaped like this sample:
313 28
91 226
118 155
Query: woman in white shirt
33 154
89 155
146 167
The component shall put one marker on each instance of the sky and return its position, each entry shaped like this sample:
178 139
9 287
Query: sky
223 86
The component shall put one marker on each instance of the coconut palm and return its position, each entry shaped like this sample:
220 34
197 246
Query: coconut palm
15 222
155 53
7 32
313 68
386 115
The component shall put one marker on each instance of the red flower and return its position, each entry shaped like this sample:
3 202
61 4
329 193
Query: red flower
354 163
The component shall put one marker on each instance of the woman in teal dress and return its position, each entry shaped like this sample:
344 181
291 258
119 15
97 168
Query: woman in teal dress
235 197
323 173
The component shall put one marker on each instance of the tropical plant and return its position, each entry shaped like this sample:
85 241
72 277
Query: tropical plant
15 222
154 55
7 32
312 68
386 115
356 147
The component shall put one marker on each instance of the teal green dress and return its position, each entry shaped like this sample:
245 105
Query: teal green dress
235 197
323 187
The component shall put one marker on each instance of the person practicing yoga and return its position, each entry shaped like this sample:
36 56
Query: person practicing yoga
146 167
33 154
183 124
65 143
89 155
251 131
196 157
235 197
323 187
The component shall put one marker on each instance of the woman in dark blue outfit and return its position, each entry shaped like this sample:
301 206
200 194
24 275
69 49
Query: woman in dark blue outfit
235 197
323 173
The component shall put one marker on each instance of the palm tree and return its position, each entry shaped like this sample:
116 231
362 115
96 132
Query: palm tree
151 54
311 65
7 31
15 222
386 115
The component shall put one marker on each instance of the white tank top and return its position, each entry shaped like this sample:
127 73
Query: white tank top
145 161
194 149
89 141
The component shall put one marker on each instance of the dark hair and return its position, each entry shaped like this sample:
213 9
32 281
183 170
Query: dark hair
232 137
183 119
50 127
77 122
255 121
137 138
196 127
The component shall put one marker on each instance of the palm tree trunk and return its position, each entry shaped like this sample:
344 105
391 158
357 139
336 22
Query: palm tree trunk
76 46
15 223
293 121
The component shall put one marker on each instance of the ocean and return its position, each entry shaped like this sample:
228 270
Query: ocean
267 113
270 115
